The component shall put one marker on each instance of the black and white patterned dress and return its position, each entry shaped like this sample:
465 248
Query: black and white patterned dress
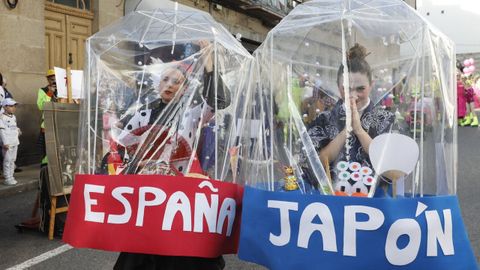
374 119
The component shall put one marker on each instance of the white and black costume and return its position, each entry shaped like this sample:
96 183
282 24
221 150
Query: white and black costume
374 119
9 133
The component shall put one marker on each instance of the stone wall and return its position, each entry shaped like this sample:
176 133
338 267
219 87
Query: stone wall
106 12
234 22
22 62
22 52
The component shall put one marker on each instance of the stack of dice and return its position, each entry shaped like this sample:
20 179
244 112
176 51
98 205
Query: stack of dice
353 179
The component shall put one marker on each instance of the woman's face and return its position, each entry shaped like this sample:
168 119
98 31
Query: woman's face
170 83
360 88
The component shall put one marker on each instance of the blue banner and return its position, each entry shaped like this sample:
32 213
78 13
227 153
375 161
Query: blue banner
285 230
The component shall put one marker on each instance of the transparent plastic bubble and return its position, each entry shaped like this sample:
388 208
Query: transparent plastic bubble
158 83
398 79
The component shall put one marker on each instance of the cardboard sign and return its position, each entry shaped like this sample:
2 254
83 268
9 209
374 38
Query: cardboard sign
284 230
61 79
154 214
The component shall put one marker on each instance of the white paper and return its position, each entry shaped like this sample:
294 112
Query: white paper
77 80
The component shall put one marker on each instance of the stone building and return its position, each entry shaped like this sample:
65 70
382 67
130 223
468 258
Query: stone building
36 35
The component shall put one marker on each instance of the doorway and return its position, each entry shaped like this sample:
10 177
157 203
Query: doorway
66 30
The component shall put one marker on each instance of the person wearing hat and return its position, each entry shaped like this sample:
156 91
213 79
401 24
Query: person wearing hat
4 93
46 94
9 133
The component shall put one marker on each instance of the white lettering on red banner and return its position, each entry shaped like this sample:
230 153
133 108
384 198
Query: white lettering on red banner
166 215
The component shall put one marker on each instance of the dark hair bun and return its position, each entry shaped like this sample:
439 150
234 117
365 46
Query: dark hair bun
357 52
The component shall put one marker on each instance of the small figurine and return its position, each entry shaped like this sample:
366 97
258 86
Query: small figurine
290 179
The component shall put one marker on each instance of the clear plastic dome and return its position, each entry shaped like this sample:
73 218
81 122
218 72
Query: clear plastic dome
160 96
400 72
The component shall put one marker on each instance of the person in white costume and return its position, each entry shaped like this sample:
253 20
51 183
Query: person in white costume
9 133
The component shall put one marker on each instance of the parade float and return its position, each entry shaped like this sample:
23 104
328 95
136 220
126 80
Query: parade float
177 117
154 168
352 142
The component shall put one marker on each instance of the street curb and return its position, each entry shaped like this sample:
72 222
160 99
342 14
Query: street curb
19 188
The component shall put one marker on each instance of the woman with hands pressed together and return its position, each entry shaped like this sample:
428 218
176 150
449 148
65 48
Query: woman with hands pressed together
329 132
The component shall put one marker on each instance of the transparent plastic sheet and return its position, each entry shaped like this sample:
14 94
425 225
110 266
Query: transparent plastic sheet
296 100
162 87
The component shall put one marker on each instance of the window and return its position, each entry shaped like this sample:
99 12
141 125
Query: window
80 4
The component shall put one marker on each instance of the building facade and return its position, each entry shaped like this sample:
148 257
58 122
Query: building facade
36 35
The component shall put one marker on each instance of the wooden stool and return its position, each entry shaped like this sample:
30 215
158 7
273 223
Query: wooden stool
54 210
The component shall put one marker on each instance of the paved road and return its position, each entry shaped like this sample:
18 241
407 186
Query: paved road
17 248
469 183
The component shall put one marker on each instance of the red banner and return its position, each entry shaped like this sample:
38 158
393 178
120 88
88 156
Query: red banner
154 214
